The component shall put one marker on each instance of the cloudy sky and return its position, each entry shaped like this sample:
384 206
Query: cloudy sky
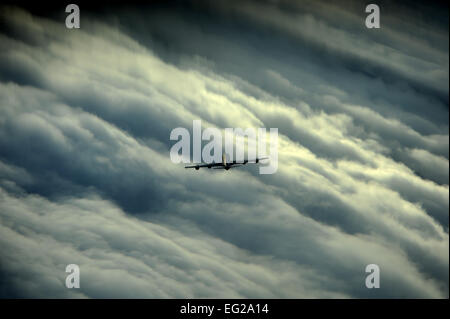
363 173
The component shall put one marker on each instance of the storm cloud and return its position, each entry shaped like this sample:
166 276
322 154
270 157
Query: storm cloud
86 177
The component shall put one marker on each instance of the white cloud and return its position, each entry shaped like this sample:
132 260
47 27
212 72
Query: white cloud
86 175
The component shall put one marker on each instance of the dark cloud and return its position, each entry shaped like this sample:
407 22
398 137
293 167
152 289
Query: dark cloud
85 174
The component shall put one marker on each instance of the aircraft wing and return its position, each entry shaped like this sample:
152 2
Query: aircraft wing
255 161
222 166
229 166
197 166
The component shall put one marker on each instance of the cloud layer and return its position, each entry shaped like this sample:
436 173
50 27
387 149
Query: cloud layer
86 178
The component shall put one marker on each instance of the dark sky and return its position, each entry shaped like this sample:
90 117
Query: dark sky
363 172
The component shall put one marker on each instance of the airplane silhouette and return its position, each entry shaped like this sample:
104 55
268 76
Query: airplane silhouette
225 164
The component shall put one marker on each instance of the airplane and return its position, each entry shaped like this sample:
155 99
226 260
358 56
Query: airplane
225 164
